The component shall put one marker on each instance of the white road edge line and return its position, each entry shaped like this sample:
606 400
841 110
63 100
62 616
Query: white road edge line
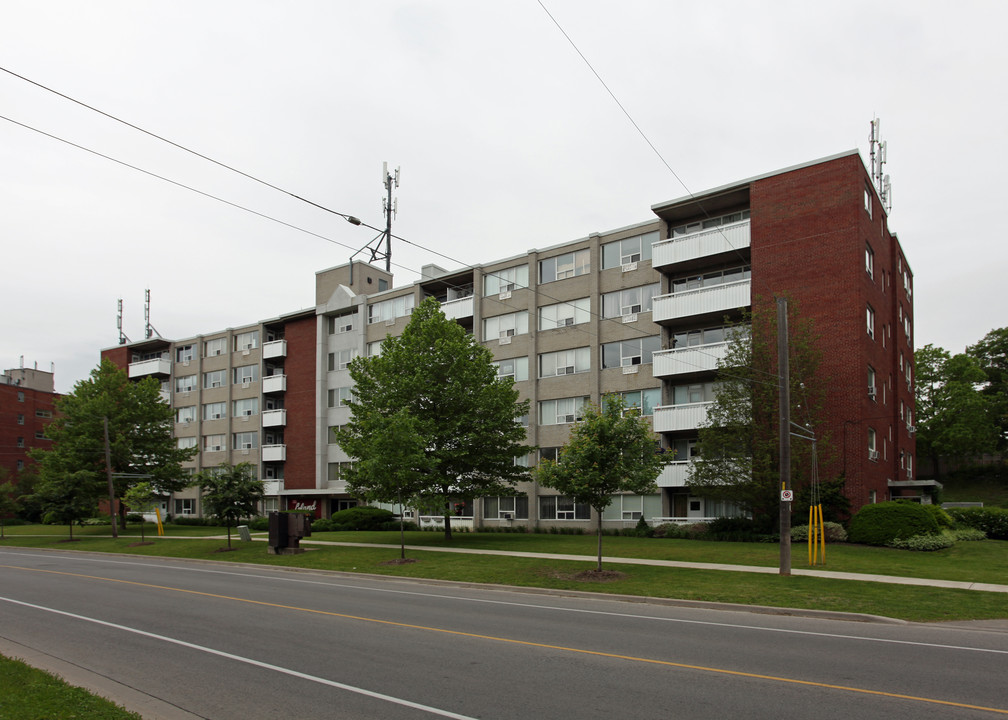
250 661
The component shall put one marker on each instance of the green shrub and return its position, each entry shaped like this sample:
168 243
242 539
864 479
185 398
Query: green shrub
259 524
929 542
134 518
969 534
738 530
991 521
883 522
944 520
189 520
834 533
362 517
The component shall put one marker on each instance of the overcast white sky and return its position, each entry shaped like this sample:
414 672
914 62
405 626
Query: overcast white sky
506 142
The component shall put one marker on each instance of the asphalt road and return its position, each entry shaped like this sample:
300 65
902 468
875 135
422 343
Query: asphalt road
180 639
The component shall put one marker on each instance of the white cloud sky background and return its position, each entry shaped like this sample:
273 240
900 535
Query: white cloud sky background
506 142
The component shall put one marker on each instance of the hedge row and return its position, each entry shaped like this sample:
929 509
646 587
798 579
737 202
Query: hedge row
992 521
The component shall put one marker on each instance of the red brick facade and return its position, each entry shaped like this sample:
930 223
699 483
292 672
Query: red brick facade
299 400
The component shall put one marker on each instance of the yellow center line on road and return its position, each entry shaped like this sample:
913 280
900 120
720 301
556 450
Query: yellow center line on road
528 643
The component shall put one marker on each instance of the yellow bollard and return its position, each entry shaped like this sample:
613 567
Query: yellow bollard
160 527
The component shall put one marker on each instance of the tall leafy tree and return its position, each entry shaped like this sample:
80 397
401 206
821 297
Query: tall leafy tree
8 500
231 493
991 353
954 418
739 443
67 498
456 420
610 450
139 428
140 499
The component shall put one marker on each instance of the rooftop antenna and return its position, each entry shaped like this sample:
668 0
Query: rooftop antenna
122 336
149 331
878 153
390 208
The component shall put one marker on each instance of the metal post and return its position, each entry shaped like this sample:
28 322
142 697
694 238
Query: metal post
108 471
784 373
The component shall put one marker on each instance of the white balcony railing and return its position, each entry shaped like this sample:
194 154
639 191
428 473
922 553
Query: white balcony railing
274 349
274 418
669 418
674 474
272 487
458 309
681 361
713 241
274 453
702 301
274 383
144 368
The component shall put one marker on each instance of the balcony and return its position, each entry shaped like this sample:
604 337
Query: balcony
682 361
338 486
274 453
674 474
714 300
670 418
274 384
458 309
272 487
274 349
713 241
274 418
147 368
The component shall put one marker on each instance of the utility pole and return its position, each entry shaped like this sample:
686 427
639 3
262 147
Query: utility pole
784 380
108 471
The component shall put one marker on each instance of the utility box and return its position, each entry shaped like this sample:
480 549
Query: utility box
286 531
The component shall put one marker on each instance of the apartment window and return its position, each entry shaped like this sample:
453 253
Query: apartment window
498 281
561 507
909 466
872 451
630 352
43 413
693 393
245 440
630 250
340 359
20 419
869 261
184 443
643 400
868 200
505 326
390 309
20 464
337 471
20 396
561 410
185 414
40 435
907 328
563 266
514 368
185 506
214 411
870 316
338 397
700 226
374 348
629 301
333 429
683 449
871 382
20 442
705 336
186 383
214 379
245 374
506 508
565 362
564 314
184 353
245 407
906 283
711 279
213 443
549 453
246 340
342 323
217 346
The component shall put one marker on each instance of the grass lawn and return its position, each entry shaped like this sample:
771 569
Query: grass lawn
30 694
985 561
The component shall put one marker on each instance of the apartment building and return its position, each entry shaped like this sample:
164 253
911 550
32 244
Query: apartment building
640 311
27 404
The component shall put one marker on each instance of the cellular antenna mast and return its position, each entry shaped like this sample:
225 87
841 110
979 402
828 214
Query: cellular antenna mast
877 154
150 330
390 206
122 336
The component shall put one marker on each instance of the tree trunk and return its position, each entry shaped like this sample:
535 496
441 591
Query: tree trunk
229 534
599 568
447 520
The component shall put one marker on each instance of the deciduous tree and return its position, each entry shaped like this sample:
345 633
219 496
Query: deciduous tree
992 355
610 450
458 422
231 493
140 499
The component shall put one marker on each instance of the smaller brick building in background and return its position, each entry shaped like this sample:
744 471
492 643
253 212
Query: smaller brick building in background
27 404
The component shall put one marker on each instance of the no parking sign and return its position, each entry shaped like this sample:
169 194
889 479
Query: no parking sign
787 495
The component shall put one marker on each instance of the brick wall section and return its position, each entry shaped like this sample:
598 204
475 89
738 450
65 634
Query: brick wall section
809 232
299 435
120 356
11 409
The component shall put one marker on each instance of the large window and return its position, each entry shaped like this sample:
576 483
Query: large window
214 379
514 368
185 506
630 352
246 440
565 314
694 393
498 281
214 411
506 508
643 400
633 507
246 340
565 266
504 326
340 359
629 301
217 346
184 443
213 443
565 362
185 414
561 411
244 374
629 250
338 397
390 309
337 471
245 408
561 507
186 383
183 353
711 279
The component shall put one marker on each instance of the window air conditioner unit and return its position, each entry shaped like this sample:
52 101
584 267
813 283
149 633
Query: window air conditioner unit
873 454
567 370
215 384
566 321
186 362
631 369
505 340
911 429
507 516
628 266
565 419
245 351
508 287
390 322
245 383
507 333
871 391
630 310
